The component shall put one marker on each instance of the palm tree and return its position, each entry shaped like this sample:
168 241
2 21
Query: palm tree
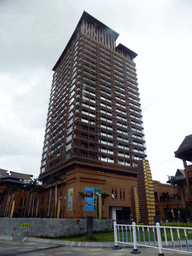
54 178
26 187
165 197
34 189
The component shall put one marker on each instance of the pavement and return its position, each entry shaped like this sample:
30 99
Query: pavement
40 247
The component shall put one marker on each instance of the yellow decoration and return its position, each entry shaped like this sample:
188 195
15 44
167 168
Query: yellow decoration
100 207
12 208
58 208
25 225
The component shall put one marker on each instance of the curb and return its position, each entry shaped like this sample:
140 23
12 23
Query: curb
71 243
66 243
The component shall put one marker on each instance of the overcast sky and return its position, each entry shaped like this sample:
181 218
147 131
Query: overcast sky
33 35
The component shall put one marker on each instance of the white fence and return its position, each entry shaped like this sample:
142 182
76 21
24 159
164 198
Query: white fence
161 237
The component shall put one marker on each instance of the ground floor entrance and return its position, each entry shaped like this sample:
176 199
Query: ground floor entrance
120 213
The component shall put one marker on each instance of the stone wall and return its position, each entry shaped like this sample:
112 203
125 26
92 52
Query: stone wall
49 227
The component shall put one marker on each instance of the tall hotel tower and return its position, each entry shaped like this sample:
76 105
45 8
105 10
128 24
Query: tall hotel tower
94 121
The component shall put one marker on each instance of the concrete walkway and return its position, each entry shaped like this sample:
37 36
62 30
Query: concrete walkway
81 248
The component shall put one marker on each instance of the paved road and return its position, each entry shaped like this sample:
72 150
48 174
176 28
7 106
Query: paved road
15 248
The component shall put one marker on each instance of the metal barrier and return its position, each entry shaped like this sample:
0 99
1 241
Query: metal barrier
161 237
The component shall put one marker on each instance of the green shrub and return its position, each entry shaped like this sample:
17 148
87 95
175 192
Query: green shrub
171 224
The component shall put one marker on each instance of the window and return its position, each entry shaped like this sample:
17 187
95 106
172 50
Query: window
68 146
84 154
70 129
115 193
123 193
105 150
92 146
84 136
68 138
67 155
91 155
91 129
60 197
85 128
106 159
112 193
92 138
84 145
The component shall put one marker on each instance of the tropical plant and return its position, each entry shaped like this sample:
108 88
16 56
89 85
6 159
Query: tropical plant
165 197
184 214
170 179
36 188
26 188
169 214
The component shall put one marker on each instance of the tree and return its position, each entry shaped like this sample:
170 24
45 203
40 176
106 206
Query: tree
26 188
170 179
165 197
36 188
54 178
184 214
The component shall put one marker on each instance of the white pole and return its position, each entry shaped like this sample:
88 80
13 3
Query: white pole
159 239
135 250
115 232
134 236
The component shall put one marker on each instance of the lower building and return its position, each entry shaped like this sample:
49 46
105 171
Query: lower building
82 191
13 189
86 191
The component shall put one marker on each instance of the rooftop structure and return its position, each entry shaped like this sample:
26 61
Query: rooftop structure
184 151
14 177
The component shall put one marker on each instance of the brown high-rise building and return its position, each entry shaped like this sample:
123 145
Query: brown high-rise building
94 118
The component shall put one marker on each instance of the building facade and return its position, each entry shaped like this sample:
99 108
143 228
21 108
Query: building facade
184 152
14 196
94 121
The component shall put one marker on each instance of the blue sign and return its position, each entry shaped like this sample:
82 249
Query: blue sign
90 199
